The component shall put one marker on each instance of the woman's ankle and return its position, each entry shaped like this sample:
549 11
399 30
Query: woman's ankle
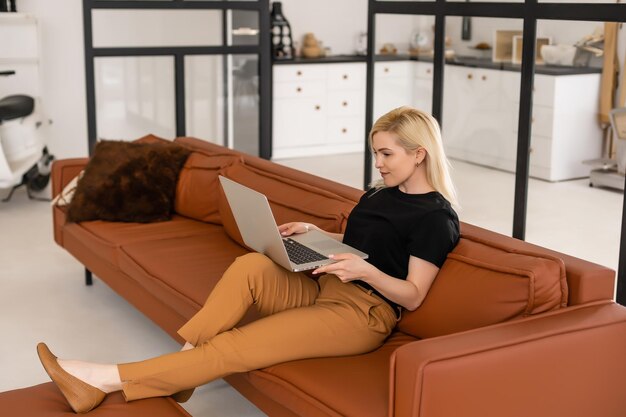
104 377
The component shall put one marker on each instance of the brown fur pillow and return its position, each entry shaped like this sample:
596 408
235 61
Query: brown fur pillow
129 182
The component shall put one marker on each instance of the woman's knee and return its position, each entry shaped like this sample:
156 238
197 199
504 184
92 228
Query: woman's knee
251 264
253 261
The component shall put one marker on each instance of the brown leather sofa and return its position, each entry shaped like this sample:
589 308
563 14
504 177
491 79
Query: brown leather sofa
508 329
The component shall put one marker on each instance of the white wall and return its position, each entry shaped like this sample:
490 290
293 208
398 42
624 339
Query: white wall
336 23
62 73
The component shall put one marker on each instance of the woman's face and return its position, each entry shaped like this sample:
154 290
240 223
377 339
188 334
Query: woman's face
395 164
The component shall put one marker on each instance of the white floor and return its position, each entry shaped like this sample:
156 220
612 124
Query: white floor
43 298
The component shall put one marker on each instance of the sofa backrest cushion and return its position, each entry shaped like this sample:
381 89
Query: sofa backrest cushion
483 283
197 188
289 199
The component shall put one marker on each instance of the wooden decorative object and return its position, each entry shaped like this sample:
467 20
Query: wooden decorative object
503 45
517 49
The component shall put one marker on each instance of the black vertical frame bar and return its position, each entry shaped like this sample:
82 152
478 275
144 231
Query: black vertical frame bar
369 96
265 82
179 71
89 77
524 123
439 59
226 76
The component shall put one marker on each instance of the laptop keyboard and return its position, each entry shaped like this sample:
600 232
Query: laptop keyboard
300 254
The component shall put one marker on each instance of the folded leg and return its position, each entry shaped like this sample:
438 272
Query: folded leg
344 320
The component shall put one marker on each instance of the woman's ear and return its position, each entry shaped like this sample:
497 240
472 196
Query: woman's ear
420 155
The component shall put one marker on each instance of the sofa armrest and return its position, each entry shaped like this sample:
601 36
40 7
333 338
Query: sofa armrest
64 170
570 362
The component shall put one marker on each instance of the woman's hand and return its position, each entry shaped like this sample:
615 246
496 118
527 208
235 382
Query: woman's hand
295 228
348 267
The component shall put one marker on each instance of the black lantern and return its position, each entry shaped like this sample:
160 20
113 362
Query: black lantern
282 42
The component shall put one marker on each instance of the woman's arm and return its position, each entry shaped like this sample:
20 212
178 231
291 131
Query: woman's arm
289 229
409 293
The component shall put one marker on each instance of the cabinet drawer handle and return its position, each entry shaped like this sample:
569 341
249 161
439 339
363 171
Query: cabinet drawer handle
299 89
344 130
470 76
299 73
386 69
428 71
345 76
530 150
344 104
318 107
484 77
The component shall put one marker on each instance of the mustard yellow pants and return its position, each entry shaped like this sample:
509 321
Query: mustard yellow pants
303 318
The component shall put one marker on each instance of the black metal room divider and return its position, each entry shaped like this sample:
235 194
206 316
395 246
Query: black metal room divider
262 50
530 11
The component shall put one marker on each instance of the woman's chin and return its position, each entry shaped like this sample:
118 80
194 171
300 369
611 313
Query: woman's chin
388 182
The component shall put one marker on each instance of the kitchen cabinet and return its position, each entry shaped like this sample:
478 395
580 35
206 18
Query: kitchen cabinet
565 130
480 121
318 109
477 118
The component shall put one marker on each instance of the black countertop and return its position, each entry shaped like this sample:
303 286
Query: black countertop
465 61
333 59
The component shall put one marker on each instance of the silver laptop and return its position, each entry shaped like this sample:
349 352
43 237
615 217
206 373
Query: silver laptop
298 252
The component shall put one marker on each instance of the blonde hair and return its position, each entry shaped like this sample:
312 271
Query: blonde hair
415 129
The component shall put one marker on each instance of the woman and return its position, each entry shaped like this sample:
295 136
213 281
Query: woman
405 223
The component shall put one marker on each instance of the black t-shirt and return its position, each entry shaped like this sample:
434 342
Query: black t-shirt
390 225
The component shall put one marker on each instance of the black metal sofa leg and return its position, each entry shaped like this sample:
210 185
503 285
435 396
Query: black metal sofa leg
88 277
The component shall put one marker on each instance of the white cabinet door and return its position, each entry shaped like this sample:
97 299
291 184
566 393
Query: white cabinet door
423 87
298 122
393 86
476 118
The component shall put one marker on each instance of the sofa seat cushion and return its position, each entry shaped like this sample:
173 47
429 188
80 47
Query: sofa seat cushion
289 199
482 283
180 270
104 238
356 386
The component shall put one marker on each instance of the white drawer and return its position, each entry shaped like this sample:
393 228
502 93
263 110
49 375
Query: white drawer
345 129
392 69
302 72
346 76
299 89
346 103
540 151
543 90
423 70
